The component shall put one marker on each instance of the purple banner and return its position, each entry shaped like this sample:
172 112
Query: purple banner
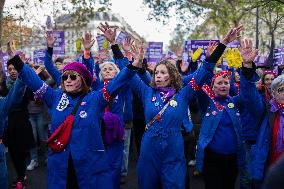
121 36
39 56
100 40
4 57
278 56
234 44
203 44
154 51
186 51
261 60
59 45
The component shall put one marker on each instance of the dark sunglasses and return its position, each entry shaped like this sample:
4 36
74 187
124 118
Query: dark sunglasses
72 77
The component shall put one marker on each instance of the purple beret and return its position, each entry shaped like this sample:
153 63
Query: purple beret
80 69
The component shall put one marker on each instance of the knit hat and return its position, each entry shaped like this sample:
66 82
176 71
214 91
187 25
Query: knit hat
80 69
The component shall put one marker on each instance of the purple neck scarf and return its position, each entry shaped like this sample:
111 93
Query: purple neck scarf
279 147
166 93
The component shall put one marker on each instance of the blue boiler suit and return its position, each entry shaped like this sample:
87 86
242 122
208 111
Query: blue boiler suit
7 103
161 161
85 145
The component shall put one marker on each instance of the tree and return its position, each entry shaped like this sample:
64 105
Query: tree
2 3
80 8
273 16
178 40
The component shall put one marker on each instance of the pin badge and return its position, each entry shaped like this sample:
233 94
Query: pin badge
173 103
156 103
214 113
231 105
153 99
83 114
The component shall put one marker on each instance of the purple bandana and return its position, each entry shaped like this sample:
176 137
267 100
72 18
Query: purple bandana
279 147
166 93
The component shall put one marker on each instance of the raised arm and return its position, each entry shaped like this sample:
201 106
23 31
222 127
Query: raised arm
205 72
87 59
48 63
30 78
249 96
14 97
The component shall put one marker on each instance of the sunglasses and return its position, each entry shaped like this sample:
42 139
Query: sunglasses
71 76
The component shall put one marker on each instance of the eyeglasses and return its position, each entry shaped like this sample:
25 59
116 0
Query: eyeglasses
280 90
73 77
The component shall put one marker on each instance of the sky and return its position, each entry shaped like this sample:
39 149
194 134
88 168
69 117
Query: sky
135 13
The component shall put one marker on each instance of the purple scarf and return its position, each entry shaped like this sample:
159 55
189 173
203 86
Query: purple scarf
279 146
114 130
166 93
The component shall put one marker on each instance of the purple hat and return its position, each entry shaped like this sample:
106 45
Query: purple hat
80 69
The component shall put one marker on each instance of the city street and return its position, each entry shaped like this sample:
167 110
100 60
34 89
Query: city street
37 178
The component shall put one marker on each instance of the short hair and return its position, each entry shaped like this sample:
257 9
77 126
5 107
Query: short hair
278 81
104 64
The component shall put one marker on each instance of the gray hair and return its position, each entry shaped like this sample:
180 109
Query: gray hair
106 63
277 82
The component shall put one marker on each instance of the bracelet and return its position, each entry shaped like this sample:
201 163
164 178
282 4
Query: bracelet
87 54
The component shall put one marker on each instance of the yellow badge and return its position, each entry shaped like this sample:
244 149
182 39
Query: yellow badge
231 105
173 103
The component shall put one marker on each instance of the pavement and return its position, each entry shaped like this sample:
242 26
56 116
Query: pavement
37 179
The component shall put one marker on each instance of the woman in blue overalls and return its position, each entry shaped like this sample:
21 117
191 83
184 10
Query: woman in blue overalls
220 149
83 163
161 162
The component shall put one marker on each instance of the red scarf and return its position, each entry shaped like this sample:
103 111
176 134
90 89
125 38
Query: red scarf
274 156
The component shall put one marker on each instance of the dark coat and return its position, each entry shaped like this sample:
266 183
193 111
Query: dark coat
19 135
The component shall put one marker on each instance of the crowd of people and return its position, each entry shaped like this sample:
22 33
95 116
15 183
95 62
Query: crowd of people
79 116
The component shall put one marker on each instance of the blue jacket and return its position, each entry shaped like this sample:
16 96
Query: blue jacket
173 116
7 103
85 145
248 95
51 69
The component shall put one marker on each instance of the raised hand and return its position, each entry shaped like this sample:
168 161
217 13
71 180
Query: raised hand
50 39
151 66
10 47
127 43
138 55
184 66
88 41
248 53
233 34
212 45
103 55
108 32
179 52
39 70
23 57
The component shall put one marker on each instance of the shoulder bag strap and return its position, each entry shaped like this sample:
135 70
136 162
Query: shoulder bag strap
159 114
77 105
